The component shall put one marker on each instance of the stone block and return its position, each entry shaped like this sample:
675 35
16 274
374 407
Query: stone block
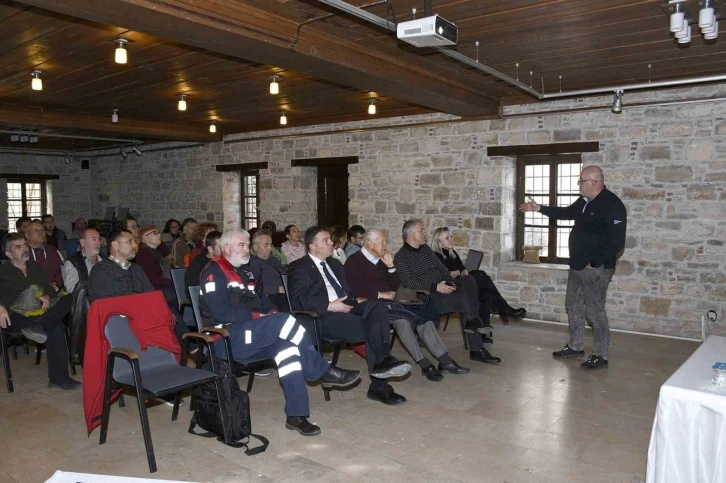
539 137
655 153
381 206
405 208
675 130
632 286
493 208
655 306
673 174
718 293
668 288
429 179
442 161
441 194
561 135
512 275
484 223
528 294
624 268
712 277
643 194
699 149
408 147
701 192
455 179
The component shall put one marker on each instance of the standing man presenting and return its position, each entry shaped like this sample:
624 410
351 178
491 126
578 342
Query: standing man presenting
596 241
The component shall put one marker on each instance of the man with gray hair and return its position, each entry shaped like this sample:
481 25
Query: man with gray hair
232 299
419 269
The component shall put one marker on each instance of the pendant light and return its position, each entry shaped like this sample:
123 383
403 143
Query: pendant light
283 119
274 86
213 127
121 55
182 105
114 116
37 83
372 107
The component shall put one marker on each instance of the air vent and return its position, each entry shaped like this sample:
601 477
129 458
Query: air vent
412 31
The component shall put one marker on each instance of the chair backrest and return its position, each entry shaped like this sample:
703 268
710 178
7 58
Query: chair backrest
287 292
72 247
122 213
108 215
194 293
177 276
473 260
119 335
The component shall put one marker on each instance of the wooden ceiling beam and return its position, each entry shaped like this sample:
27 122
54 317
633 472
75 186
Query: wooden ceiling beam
35 118
243 31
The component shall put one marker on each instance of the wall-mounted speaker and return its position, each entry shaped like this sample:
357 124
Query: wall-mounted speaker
85 163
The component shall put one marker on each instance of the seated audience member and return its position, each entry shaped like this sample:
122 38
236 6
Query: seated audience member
199 237
53 233
46 255
22 224
293 248
132 225
116 275
183 245
257 332
267 269
419 269
194 270
317 283
149 259
355 239
170 232
271 228
490 300
78 229
372 274
21 280
78 266
337 234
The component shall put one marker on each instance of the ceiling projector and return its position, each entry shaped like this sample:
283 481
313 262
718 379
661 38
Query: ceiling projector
431 31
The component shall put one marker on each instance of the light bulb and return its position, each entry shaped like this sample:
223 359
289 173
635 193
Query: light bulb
114 116
212 127
706 17
283 119
712 35
372 108
274 86
677 21
182 105
121 56
684 31
37 83
687 38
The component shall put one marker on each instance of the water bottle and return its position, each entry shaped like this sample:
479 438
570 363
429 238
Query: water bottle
718 374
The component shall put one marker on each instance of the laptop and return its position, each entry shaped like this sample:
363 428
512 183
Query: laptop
406 296
473 260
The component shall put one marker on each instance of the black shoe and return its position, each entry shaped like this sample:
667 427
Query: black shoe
337 377
594 362
504 318
390 367
453 368
64 383
386 396
483 355
567 353
302 426
511 312
476 326
35 333
432 374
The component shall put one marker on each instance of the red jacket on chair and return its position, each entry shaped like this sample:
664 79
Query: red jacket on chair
149 319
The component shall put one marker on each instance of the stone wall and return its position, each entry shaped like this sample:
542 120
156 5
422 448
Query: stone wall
69 197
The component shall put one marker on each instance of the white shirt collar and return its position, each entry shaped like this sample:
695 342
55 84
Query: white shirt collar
370 257
316 260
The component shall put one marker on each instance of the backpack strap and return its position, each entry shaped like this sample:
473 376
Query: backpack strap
233 444
259 449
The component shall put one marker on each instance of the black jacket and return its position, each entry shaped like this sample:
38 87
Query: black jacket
598 236
307 287
13 282
108 279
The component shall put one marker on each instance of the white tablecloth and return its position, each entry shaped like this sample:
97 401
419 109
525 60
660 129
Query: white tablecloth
688 442
65 477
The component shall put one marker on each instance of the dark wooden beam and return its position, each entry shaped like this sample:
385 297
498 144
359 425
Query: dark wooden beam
557 148
35 118
240 30
240 167
28 177
318 162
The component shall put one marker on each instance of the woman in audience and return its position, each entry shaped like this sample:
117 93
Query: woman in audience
338 236
490 300
149 259
293 248
171 232
200 237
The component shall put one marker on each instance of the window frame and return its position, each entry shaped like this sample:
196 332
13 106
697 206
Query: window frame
244 196
24 200
553 160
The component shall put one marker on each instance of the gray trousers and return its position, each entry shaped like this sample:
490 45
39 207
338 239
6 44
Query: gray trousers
586 292
428 333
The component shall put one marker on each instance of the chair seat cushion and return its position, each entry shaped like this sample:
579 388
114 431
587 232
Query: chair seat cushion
165 378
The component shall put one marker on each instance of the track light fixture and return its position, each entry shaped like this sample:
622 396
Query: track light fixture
680 21
617 102
37 82
182 105
283 119
372 107
121 55
213 127
136 151
114 116
274 86
124 154
68 160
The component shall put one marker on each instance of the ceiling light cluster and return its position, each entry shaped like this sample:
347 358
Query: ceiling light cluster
681 19
17 138
134 149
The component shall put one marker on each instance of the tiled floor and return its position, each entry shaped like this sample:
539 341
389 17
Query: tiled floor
530 420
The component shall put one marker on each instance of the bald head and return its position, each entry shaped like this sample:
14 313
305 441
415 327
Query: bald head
592 182
593 172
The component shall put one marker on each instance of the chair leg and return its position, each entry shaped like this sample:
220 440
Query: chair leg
250 380
463 334
26 349
446 324
177 401
38 353
14 350
145 429
336 354
393 340
67 338
222 409
6 362
121 402
106 400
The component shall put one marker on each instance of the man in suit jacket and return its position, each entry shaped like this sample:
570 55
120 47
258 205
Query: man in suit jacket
317 283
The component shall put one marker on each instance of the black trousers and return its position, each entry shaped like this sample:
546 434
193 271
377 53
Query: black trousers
464 300
488 294
280 301
52 324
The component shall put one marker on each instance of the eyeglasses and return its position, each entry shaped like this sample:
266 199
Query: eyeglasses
580 181
151 233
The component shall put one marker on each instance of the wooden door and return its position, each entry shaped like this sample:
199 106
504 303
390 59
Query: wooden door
333 195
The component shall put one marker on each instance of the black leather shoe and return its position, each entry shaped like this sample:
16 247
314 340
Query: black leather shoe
594 362
432 374
387 396
483 355
512 313
453 368
64 383
302 426
567 353
35 333
337 377
390 367
475 325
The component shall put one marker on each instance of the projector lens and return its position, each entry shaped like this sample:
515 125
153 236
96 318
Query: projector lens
441 30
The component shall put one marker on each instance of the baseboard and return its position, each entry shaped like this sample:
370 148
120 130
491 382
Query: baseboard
617 330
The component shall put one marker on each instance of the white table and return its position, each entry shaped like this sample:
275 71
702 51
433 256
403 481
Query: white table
688 442
66 477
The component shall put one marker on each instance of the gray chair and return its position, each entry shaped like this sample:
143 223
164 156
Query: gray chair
177 277
153 372
461 323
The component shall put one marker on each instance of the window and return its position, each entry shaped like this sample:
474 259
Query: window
250 199
25 198
552 181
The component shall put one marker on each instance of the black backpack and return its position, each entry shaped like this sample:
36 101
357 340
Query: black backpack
236 404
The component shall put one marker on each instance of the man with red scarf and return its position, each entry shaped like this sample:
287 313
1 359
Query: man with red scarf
231 298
